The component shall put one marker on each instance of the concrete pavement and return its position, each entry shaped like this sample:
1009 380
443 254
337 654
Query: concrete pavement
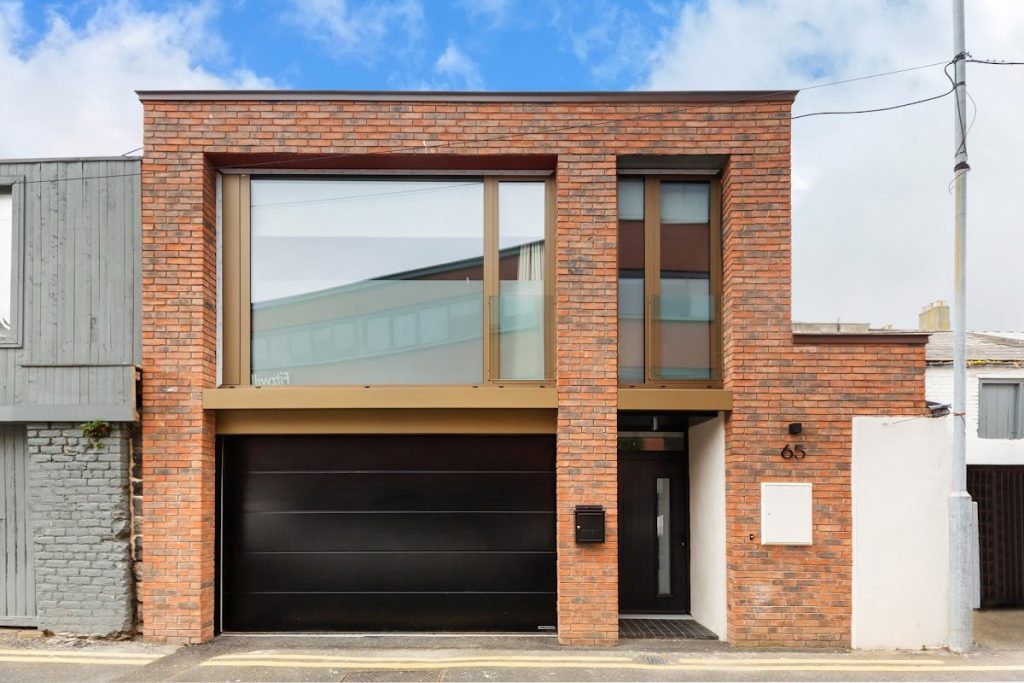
491 658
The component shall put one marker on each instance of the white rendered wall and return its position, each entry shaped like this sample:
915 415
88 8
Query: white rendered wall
900 487
707 525
939 387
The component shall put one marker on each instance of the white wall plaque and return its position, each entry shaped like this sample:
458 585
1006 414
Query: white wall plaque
786 513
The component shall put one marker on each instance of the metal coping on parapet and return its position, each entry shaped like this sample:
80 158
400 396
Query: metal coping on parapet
640 96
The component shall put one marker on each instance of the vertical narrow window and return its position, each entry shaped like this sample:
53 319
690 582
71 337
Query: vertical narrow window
367 281
631 281
683 308
6 263
663 534
521 275
669 277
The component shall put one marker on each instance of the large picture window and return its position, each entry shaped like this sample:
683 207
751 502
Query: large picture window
385 281
669 277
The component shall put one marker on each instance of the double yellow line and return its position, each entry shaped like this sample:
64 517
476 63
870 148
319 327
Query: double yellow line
78 657
622 663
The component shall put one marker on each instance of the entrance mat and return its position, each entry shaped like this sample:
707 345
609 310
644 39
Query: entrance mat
664 628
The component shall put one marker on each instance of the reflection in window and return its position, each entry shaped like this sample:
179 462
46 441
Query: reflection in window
683 308
521 270
366 281
631 280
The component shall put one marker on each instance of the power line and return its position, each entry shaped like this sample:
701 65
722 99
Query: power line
878 75
592 124
959 113
872 111
83 177
993 62
608 122
392 193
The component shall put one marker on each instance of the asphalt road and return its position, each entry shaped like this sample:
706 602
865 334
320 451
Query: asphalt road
490 658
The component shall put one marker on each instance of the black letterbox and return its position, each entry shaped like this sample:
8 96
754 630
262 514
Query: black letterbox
589 524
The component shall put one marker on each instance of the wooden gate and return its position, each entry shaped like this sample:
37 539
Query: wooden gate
999 492
17 576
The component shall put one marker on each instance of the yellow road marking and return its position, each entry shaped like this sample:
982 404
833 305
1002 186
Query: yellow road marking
512 659
766 665
58 659
82 653
476 658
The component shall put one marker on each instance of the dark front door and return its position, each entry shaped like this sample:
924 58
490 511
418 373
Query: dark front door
654 560
388 533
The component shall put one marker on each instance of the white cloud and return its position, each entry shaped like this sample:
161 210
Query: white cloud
458 70
611 40
872 218
493 11
360 32
71 92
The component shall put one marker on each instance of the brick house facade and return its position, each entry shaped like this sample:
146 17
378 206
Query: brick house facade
769 377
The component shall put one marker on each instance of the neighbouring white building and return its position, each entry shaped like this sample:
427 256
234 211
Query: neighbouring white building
995 450
995 377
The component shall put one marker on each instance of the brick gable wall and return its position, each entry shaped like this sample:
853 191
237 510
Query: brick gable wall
776 595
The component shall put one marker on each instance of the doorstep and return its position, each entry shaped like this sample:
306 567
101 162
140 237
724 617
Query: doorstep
651 626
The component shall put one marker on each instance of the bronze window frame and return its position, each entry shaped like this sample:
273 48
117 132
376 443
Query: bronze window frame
236 277
652 278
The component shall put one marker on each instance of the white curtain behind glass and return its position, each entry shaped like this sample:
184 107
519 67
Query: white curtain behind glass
531 262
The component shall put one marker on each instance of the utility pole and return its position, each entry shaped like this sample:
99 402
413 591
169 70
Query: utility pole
961 599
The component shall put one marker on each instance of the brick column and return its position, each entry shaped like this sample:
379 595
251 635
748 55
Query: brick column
586 309
179 361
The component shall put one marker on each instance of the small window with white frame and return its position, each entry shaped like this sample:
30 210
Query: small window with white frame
10 243
1001 409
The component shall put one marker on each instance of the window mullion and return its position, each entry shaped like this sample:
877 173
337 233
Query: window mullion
652 251
245 280
491 360
550 250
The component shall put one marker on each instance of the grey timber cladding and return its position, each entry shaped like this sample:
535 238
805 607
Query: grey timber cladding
80 291
17 570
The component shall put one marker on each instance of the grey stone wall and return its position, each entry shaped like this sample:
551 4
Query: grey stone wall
82 526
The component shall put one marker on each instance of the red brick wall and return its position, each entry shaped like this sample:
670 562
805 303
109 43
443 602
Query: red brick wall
587 371
179 323
802 595
776 595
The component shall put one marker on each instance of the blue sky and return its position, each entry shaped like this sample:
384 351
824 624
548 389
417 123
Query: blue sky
872 227
531 44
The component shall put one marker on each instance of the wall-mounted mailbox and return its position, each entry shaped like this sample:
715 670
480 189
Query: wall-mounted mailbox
589 524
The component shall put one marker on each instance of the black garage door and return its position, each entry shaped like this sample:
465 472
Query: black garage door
999 492
387 533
